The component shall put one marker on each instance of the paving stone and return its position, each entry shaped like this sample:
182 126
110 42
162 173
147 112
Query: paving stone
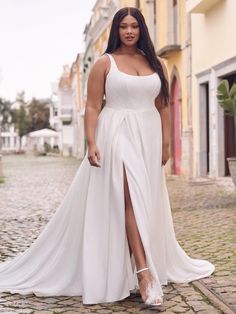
26 311
177 299
118 308
132 310
169 304
5 311
43 312
74 310
200 306
195 297
59 309
50 300
209 311
67 302
179 309
128 311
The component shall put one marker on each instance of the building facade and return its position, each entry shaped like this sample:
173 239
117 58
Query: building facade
78 106
171 37
10 142
65 112
213 58
69 108
193 37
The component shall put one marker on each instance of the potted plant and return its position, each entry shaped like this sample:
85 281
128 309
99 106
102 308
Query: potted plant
227 100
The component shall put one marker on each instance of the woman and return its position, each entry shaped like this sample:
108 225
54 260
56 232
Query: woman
113 231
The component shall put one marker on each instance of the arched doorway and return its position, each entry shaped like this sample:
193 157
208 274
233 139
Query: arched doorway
175 127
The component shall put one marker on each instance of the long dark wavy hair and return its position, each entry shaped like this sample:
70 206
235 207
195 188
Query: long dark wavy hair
144 44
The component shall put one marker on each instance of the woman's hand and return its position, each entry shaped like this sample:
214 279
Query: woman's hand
94 155
165 154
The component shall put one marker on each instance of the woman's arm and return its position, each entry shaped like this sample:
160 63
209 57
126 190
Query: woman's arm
95 93
164 110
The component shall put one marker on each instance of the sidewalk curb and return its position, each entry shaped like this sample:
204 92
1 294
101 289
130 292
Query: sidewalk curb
213 297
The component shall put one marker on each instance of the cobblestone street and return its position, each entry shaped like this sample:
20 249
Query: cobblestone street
204 220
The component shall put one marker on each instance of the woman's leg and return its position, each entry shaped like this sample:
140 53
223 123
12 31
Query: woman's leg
135 243
133 236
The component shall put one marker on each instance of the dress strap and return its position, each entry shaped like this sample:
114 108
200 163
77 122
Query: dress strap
113 63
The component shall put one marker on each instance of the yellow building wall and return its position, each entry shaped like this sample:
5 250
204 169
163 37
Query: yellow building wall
177 63
175 60
127 3
162 23
162 13
213 35
182 22
143 8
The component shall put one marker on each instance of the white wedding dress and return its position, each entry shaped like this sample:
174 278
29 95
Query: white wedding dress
83 250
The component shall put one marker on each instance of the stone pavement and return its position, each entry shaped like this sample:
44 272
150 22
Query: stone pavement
204 222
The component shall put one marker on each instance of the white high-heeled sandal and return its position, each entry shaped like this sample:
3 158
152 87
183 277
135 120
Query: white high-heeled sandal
151 292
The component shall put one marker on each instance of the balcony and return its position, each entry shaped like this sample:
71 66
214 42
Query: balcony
200 6
66 115
168 50
171 45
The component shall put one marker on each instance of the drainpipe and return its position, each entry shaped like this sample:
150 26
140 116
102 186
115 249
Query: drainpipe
188 60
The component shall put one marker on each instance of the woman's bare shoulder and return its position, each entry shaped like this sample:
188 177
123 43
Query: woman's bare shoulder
102 61
102 64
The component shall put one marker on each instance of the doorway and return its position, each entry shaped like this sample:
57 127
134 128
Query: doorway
204 119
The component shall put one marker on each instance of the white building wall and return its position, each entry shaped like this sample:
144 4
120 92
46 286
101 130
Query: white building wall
10 140
213 56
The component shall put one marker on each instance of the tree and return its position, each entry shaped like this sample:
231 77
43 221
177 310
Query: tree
38 114
22 122
30 117
5 110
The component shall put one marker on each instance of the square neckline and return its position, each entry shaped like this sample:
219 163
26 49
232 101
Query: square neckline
127 73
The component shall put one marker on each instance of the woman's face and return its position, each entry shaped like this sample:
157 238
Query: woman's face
129 31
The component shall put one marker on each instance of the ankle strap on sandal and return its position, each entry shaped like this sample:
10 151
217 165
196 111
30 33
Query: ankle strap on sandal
140 270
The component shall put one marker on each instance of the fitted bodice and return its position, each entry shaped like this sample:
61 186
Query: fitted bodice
125 91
